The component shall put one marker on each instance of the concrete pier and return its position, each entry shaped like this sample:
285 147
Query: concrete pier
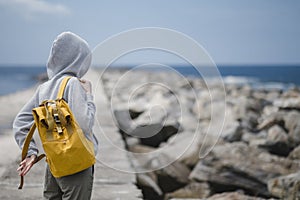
111 181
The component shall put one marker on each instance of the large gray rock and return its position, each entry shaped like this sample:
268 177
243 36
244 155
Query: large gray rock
253 138
292 124
277 123
288 103
250 120
285 187
155 134
271 120
238 166
150 188
268 110
171 174
202 108
193 190
277 141
139 148
232 196
243 104
184 147
277 133
188 121
295 154
292 92
123 121
151 134
234 133
171 177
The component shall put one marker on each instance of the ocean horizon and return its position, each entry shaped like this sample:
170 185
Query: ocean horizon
17 78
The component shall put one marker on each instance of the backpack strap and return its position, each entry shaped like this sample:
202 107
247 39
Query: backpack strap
33 127
25 151
62 87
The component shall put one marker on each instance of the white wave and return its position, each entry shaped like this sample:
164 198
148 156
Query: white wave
239 80
255 83
272 86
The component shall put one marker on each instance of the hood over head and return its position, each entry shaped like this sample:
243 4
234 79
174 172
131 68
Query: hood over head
70 54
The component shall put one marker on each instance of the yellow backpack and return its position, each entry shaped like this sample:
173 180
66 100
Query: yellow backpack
67 149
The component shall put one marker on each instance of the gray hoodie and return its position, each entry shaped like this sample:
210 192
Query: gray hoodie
69 56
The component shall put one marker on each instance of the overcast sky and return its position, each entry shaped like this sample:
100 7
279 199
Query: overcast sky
232 31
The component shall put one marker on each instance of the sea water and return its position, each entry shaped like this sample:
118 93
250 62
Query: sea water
259 77
13 79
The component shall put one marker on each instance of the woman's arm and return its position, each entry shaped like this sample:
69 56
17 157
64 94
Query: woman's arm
22 123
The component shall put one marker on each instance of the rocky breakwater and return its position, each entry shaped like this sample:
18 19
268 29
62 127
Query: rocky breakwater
165 119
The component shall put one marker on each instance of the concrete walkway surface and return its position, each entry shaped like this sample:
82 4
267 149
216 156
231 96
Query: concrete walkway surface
109 183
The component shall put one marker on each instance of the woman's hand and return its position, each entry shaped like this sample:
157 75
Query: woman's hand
26 165
87 86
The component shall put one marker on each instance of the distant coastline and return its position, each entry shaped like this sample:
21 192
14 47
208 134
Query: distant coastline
17 78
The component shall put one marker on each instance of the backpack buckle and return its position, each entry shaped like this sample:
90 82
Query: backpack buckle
56 119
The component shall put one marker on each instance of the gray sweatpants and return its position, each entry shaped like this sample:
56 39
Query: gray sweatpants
74 187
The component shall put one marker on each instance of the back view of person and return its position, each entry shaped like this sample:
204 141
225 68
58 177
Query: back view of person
69 56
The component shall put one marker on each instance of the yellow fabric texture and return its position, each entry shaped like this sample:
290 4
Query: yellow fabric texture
67 149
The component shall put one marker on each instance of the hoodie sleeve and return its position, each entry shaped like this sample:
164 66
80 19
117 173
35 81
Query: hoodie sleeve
23 122
83 108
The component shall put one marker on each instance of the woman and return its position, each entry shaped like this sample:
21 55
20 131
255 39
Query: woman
69 56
